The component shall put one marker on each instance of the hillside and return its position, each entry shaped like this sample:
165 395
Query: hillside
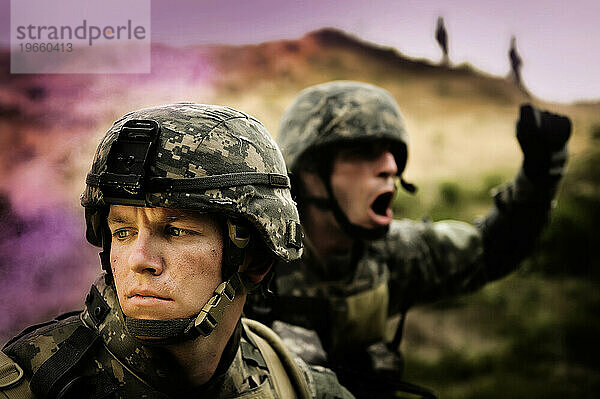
461 125
444 107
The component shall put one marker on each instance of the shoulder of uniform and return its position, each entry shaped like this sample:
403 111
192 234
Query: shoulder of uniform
323 382
407 226
13 382
401 233
36 343
410 233
43 328
302 342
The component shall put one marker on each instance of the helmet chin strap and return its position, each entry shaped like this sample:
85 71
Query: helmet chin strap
330 203
351 229
161 332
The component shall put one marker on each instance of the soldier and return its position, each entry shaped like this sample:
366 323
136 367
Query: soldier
344 143
441 35
191 205
515 62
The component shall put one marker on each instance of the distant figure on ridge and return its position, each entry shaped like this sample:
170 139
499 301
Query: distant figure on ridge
442 38
515 62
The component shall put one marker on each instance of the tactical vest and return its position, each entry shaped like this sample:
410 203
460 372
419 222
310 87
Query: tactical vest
354 320
91 352
288 379
12 380
346 314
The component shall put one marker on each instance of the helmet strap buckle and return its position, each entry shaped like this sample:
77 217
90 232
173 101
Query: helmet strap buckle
238 234
213 312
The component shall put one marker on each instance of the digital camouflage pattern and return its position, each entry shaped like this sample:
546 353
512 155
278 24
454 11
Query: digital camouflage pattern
415 261
301 340
340 112
121 367
348 297
92 353
342 299
198 140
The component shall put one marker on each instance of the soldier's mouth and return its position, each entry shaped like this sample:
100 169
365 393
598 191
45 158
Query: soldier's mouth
142 294
151 296
147 300
382 204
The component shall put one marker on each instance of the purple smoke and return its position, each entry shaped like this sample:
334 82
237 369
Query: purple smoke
45 267
49 128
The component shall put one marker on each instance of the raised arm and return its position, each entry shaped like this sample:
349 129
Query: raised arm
435 260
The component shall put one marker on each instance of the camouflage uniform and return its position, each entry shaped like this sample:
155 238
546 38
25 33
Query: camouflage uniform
347 298
116 365
187 156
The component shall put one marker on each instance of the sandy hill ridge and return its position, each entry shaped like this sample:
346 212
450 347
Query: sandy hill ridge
457 117
445 107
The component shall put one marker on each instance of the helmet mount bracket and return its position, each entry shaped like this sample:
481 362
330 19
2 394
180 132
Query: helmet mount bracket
127 162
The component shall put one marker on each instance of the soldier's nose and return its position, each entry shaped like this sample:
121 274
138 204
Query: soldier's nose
145 256
385 165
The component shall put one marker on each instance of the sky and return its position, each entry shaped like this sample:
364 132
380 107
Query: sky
557 40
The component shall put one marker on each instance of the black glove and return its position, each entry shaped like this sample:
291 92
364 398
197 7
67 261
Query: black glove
543 138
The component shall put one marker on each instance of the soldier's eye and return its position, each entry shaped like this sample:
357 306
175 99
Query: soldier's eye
365 152
372 151
175 231
121 234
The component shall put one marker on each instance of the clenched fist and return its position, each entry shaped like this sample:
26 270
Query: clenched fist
543 138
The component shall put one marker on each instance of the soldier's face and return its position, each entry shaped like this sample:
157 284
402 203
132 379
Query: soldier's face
362 181
166 263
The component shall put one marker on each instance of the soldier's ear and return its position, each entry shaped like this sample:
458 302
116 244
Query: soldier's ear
256 268
311 184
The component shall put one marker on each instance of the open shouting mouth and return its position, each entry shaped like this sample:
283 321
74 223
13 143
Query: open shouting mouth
380 210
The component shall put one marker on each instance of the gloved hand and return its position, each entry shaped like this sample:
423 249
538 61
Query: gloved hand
543 139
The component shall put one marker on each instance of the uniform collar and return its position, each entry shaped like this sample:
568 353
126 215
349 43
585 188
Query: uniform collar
336 267
153 365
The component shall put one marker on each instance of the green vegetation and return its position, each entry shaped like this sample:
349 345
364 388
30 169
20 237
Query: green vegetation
539 327
549 327
568 247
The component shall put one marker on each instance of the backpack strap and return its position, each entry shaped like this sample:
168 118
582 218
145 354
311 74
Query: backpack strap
288 379
13 384
66 357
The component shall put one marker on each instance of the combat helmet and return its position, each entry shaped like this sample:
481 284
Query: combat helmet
207 158
334 114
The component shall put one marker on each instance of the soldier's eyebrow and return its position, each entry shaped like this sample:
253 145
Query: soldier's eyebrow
116 219
169 217
182 217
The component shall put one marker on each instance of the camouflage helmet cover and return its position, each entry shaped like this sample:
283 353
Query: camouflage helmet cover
209 142
341 112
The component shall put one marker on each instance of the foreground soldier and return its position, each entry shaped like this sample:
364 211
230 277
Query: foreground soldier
345 142
191 206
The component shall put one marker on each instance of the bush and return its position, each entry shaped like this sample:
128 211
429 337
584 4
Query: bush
450 193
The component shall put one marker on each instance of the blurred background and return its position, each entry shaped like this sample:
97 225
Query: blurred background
532 334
